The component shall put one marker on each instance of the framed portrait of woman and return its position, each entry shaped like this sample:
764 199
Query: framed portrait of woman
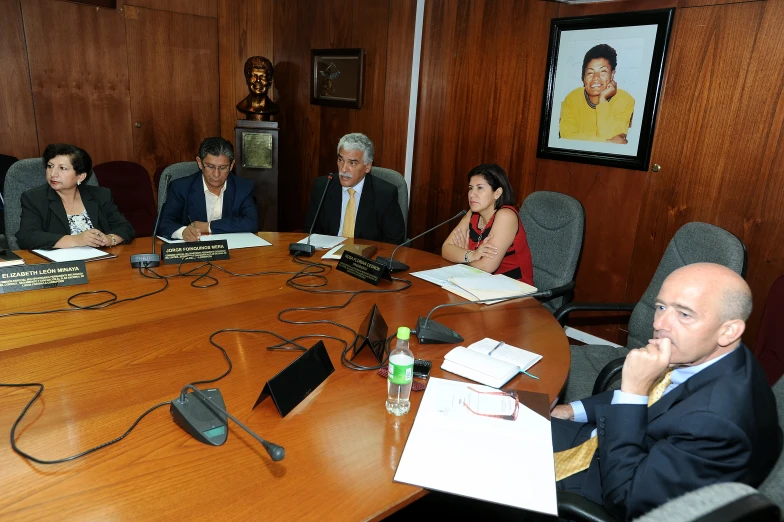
602 88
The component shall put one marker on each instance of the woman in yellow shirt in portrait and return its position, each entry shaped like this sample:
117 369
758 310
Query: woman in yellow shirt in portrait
599 110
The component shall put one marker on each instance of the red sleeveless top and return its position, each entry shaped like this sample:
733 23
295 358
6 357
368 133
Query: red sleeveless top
517 260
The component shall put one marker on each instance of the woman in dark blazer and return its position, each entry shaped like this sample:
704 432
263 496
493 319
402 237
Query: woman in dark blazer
67 213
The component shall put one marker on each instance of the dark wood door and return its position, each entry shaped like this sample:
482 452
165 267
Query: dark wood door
173 68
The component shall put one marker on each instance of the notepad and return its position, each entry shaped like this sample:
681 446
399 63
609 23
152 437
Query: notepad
496 286
492 369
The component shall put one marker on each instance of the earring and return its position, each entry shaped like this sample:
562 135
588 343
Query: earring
78 182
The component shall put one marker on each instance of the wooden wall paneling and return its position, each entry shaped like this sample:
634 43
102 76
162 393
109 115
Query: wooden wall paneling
334 122
719 141
17 130
370 119
397 90
173 63
476 84
245 29
296 25
79 77
191 7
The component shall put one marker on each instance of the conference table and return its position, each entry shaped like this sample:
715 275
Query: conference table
103 368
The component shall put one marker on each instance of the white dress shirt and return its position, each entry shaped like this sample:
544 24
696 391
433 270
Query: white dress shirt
346 197
214 207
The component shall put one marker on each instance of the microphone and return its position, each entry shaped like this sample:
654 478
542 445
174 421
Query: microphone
308 249
204 417
152 260
397 266
431 332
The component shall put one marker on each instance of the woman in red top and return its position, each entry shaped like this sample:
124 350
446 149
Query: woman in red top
491 236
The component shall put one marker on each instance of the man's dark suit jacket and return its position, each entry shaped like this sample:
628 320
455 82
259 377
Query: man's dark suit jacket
378 217
185 203
718 426
44 221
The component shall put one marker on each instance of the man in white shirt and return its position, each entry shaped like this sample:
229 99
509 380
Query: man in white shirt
664 433
211 201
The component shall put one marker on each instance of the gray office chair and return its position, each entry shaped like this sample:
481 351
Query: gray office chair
727 502
172 172
693 243
395 178
24 175
554 225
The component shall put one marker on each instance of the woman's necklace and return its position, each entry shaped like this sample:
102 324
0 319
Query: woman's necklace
482 230
74 203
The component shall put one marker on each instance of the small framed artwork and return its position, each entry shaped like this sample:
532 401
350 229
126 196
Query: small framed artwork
337 77
604 79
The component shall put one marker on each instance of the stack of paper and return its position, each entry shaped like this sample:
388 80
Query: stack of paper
322 241
234 241
74 254
479 455
496 286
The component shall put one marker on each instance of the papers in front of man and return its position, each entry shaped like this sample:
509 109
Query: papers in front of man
479 453
470 283
85 253
322 241
9 258
234 241
489 362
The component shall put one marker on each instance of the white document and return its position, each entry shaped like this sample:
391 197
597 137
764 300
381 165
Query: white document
523 359
496 286
85 253
323 241
234 241
440 276
453 450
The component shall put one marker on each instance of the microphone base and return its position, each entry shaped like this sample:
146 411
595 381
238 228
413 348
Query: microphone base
198 419
145 260
435 333
303 249
395 266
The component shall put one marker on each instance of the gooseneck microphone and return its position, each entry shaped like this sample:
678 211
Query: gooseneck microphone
203 415
152 260
431 332
397 266
306 249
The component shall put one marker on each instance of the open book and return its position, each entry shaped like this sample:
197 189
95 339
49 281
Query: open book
489 362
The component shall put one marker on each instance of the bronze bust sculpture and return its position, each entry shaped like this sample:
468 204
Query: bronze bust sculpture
258 74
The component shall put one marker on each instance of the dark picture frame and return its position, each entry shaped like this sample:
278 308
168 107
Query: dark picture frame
337 77
640 40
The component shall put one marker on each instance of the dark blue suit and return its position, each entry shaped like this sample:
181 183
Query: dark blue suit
718 426
185 203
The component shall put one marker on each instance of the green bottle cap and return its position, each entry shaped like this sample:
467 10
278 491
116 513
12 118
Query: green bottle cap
403 333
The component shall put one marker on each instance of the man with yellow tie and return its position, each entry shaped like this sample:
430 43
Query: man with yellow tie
357 205
694 407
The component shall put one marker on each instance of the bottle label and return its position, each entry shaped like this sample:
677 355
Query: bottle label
401 369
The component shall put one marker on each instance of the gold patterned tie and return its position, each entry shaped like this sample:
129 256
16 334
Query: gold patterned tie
577 459
351 211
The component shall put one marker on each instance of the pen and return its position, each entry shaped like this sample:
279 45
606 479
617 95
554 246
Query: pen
495 348
529 374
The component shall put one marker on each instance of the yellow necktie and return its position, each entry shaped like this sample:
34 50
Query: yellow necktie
351 211
577 459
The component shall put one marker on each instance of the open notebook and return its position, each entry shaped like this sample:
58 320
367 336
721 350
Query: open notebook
489 362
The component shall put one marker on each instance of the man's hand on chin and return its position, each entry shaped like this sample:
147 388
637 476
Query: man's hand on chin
644 366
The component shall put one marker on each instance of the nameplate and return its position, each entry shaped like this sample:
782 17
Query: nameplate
48 275
177 253
298 379
363 268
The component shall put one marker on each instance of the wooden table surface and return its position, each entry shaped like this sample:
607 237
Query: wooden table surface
103 368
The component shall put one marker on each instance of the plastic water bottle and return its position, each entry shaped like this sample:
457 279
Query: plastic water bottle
401 374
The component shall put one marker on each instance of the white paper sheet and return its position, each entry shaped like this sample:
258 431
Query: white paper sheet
503 461
322 241
440 276
72 254
236 240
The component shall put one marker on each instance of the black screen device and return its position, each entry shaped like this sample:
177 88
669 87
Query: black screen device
422 368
